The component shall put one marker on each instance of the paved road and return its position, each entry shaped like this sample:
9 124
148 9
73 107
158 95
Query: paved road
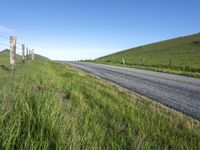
177 92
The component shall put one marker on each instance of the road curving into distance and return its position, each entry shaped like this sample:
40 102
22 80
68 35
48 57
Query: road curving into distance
177 92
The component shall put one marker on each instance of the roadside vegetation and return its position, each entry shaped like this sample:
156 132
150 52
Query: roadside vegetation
47 105
178 56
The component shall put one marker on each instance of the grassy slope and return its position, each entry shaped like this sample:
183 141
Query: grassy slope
46 105
184 53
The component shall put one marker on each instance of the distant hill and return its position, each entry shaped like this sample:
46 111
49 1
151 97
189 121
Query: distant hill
180 55
40 56
5 51
5 60
5 56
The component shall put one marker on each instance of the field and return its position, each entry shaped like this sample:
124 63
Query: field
47 105
178 56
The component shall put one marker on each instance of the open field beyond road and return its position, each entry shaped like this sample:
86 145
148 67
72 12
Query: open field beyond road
178 56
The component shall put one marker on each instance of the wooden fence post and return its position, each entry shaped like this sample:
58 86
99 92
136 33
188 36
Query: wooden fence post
26 53
13 52
29 54
23 52
33 54
123 61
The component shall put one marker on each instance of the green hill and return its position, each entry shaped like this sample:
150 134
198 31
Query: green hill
5 56
41 57
180 55
5 62
47 105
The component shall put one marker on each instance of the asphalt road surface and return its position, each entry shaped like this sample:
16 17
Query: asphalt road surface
177 92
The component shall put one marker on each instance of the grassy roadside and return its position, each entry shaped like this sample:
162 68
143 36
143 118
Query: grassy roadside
46 105
178 56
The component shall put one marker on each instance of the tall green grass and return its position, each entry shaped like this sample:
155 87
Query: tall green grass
46 105
179 56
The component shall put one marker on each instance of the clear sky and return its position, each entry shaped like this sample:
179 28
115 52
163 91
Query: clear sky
75 29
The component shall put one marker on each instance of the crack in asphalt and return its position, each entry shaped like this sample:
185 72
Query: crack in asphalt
177 92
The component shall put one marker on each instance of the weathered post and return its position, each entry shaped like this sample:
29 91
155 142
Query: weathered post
23 52
26 53
123 61
29 54
13 52
33 54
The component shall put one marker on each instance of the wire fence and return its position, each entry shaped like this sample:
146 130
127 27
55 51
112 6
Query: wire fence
4 36
5 43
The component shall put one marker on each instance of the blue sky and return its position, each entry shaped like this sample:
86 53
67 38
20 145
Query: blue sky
75 29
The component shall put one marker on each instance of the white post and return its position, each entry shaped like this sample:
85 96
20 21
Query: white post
23 52
26 53
123 61
12 52
29 54
33 54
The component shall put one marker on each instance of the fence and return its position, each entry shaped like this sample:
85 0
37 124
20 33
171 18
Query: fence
14 46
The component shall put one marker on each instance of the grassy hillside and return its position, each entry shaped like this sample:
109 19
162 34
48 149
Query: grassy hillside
46 105
180 56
